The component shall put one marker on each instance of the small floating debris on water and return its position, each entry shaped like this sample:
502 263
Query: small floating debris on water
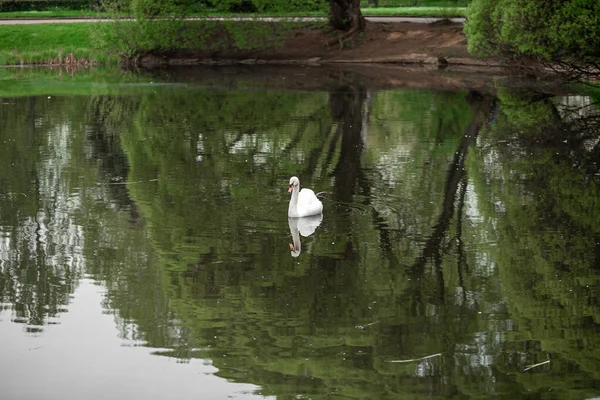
536 365
131 183
366 326
416 359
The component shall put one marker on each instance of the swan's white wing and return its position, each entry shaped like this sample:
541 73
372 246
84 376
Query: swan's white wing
307 196
308 204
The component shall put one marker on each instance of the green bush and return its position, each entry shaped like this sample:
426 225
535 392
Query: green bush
154 32
157 8
269 5
43 5
291 5
553 30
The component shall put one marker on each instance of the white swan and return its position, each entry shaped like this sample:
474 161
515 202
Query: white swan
303 202
302 226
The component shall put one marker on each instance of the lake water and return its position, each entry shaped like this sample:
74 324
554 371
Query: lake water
146 252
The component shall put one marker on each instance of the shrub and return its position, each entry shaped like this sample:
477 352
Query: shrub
240 6
553 30
43 5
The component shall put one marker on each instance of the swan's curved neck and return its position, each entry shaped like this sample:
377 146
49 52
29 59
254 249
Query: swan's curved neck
293 207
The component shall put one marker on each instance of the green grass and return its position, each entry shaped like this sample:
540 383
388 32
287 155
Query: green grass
43 36
35 44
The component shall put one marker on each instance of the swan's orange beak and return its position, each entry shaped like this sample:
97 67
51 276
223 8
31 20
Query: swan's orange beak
291 188
291 246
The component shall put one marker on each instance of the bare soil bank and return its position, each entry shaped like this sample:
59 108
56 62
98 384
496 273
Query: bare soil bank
438 44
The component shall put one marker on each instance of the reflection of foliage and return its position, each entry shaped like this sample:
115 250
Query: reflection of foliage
199 156
525 110
49 82
550 219
196 260
408 165
41 252
259 317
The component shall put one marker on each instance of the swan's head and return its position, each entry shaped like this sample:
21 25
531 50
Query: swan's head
294 183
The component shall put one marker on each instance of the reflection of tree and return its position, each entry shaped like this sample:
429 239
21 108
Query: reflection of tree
454 186
346 104
105 114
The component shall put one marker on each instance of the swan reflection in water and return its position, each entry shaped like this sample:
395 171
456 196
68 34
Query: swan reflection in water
304 226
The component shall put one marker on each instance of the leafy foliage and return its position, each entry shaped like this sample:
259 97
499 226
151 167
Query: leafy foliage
160 27
554 30
41 5
268 6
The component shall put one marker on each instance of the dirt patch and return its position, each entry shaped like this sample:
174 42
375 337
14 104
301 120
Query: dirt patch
442 43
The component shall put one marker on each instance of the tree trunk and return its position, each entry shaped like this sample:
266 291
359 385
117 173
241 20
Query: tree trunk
345 15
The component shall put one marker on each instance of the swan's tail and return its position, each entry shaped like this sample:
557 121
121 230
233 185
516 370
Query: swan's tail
321 195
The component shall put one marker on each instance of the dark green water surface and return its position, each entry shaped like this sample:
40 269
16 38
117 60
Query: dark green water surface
145 243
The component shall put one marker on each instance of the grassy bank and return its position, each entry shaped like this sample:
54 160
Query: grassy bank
101 42
377 11
45 43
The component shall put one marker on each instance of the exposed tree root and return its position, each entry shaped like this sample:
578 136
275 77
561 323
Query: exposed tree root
341 40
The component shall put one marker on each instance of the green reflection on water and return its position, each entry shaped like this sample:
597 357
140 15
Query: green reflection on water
456 224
